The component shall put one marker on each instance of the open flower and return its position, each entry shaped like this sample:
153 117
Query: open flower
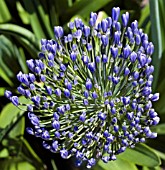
91 89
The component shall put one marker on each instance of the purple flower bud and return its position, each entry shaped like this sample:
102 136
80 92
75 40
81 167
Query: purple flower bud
104 40
94 95
89 47
58 31
155 120
30 107
8 94
109 19
30 64
78 23
155 97
125 100
97 58
114 52
146 91
134 25
129 33
56 116
115 13
57 134
115 80
104 25
138 39
86 94
69 86
117 26
136 75
150 49
85 59
114 120
126 71
37 70
133 57
30 131
116 128
126 51
56 125
85 102
125 19
71 25
149 70
116 69
27 93
23 78
92 67
50 56
113 110
77 35
93 18
15 100
82 117
102 116
48 90
63 67
45 135
116 37
36 100
88 84
43 41
86 31
67 93
142 59
104 59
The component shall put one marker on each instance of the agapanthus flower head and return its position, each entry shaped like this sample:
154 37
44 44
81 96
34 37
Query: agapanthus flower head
91 89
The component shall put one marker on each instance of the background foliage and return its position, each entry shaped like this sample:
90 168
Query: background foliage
22 24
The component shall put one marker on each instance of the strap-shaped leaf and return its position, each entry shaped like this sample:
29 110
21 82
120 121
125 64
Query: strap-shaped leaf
82 8
141 155
9 117
4 12
157 14
15 30
118 164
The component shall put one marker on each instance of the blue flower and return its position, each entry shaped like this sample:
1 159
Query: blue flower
91 89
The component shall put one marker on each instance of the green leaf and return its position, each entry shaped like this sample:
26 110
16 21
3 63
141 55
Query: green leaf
5 77
144 21
44 19
22 13
159 105
34 20
160 154
22 60
160 129
4 153
17 31
158 34
10 116
82 8
25 166
2 90
141 155
155 168
4 12
118 164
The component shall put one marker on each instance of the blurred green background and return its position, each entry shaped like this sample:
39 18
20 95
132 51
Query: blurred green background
22 24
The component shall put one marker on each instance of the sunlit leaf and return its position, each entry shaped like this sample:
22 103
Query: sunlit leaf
118 164
141 155
4 12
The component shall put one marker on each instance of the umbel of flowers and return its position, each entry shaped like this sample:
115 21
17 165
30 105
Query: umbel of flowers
91 89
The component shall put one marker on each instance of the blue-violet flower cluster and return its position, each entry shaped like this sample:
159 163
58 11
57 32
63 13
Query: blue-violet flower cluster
90 90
